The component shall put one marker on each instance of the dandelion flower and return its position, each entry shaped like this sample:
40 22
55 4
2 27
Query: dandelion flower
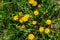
25 18
48 22
21 21
47 30
31 36
41 29
36 12
15 18
34 22
34 3
31 1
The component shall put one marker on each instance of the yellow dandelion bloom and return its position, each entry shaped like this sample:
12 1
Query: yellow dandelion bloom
47 30
36 12
15 18
34 22
20 20
31 36
25 18
23 26
41 29
35 3
48 22
26 15
31 1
